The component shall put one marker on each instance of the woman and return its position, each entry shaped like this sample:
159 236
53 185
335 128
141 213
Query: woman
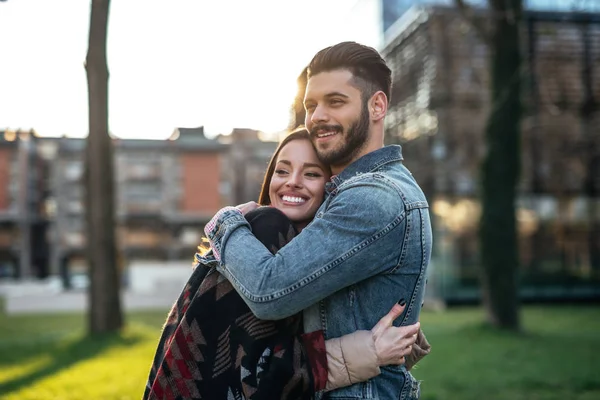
212 346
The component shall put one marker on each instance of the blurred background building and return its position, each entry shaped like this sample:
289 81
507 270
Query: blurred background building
247 162
166 192
23 222
438 112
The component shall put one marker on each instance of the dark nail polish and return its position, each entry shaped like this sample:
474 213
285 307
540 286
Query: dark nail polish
402 302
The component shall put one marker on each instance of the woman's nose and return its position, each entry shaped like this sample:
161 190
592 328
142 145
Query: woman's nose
295 180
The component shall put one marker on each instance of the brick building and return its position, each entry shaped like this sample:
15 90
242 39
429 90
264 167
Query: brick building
166 192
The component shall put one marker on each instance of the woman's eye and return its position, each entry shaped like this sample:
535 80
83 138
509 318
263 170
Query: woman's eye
313 175
281 171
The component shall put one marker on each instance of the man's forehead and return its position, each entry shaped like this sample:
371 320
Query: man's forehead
328 82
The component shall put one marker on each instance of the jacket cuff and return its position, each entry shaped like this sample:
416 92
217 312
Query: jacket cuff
351 358
215 228
314 348
419 350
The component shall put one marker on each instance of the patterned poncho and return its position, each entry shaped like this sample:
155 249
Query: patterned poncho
213 347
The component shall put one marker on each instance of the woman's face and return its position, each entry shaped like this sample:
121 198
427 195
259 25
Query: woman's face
298 183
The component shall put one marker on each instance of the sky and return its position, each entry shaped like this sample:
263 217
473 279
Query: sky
178 63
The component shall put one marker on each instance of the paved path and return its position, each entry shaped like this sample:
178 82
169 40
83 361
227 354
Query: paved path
77 301
43 298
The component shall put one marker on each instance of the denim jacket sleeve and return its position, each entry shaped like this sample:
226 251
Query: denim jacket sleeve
355 236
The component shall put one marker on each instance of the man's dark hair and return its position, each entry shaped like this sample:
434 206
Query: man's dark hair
370 71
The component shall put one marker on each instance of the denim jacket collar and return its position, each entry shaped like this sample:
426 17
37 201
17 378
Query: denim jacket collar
367 163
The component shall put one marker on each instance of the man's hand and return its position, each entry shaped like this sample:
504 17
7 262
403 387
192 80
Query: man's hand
393 344
247 207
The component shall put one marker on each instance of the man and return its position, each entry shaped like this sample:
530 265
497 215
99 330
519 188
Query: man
370 242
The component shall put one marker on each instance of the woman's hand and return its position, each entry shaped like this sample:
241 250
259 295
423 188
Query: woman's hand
247 207
393 344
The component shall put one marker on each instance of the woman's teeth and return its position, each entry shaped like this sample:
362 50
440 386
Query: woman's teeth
293 199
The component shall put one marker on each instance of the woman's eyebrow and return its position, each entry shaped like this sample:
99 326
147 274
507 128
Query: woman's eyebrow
312 165
305 165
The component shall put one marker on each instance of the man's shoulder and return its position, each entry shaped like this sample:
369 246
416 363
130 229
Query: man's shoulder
373 194
390 176
391 183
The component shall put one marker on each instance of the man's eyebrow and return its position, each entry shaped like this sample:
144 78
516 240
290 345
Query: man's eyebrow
328 96
335 94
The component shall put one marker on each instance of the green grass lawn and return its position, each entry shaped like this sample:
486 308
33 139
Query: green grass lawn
48 357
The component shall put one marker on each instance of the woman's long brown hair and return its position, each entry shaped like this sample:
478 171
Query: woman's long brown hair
298 134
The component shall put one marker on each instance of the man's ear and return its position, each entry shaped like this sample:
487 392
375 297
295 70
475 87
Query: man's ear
378 106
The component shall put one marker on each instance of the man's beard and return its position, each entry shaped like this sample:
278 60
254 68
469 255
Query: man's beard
354 140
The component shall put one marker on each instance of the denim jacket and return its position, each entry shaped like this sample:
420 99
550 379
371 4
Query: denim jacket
368 246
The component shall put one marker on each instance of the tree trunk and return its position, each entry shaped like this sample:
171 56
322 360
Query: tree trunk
501 168
104 297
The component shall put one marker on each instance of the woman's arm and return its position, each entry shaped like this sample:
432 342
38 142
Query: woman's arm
353 358
356 357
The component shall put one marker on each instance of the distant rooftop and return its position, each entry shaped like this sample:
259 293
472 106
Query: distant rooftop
180 139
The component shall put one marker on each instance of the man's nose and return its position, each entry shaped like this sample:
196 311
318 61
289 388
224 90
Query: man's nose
319 115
